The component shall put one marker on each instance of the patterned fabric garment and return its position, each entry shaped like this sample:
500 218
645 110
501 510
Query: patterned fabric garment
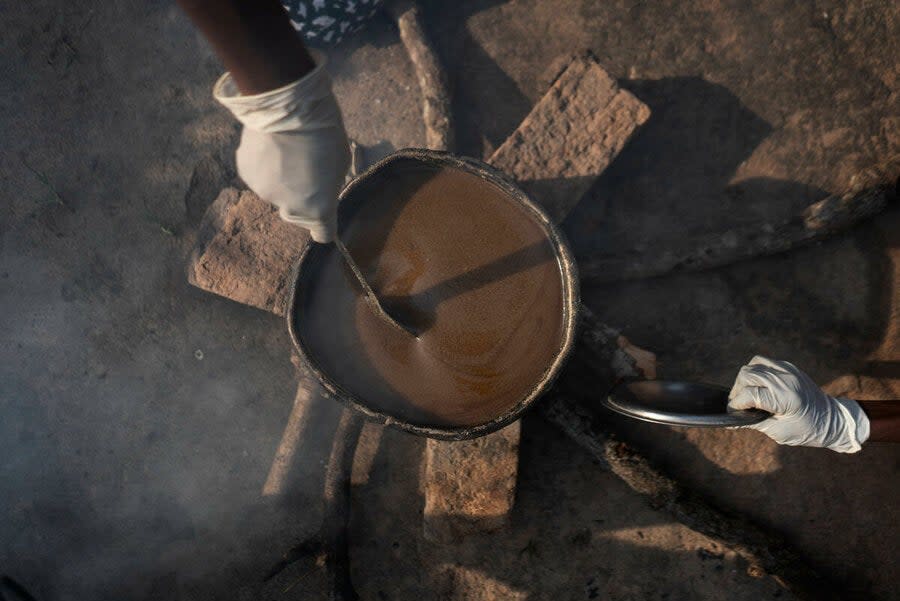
326 22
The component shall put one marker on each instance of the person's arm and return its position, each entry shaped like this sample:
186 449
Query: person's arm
254 39
803 415
884 420
294 151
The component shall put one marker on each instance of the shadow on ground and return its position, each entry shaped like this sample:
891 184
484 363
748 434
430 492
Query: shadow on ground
678 176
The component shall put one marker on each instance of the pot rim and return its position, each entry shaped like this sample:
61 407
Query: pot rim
571 303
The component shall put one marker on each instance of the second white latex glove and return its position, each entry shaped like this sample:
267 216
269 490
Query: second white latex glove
294 151
803 415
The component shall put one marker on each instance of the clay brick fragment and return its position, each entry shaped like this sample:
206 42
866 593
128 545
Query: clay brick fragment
571 136
245 252
470 485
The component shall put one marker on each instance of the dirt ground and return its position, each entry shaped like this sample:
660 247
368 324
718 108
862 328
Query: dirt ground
139 416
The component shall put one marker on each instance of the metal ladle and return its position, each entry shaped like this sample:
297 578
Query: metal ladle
371 298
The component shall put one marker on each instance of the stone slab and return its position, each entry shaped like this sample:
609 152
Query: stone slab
571 135
470 485
245 252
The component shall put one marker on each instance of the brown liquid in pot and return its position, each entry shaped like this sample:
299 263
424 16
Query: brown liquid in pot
466 266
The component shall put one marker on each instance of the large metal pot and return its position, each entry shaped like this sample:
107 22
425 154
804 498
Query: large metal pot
568 280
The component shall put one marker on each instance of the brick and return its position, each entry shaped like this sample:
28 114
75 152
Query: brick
571 136
470 485
245 252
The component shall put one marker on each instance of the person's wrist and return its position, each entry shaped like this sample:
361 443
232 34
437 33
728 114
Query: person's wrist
855 427
320 230
286 108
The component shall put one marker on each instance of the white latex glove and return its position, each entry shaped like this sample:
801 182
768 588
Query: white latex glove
802 414
294 151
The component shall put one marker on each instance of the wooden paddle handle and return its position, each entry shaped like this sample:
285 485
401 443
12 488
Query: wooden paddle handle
884 420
